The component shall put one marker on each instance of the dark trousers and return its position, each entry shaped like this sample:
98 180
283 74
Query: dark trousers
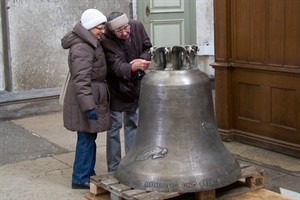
85 157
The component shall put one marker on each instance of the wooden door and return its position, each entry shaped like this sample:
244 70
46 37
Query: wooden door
257 72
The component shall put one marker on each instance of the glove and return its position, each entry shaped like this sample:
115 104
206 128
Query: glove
92 114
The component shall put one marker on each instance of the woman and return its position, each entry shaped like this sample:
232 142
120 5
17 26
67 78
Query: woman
86 103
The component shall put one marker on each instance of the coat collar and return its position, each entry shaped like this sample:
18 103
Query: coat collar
86 35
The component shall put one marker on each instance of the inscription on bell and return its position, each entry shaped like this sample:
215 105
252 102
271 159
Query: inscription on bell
157 185
188 186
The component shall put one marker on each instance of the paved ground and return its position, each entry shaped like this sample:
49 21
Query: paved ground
37 156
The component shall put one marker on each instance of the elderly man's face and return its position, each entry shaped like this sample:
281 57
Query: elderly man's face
123 32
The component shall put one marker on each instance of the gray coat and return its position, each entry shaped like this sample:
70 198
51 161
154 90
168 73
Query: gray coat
87 88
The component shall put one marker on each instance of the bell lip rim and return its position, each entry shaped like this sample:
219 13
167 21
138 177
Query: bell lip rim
180 188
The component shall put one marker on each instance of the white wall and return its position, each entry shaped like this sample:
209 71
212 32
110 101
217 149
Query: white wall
205 35
134 8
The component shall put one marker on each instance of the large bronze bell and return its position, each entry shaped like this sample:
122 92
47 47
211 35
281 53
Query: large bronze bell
177 146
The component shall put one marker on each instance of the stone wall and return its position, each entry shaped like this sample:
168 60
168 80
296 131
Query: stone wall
35 63
36 28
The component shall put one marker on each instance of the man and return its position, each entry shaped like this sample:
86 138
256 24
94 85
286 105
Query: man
127 50
86 103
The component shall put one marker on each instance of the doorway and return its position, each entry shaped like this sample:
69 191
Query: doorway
168 22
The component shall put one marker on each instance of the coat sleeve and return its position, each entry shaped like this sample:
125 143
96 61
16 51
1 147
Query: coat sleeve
116 60
146 45
118 65
81 70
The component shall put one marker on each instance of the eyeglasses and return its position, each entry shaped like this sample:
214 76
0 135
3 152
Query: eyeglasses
100 27
121 29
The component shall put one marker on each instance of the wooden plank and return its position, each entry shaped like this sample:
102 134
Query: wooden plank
247 171
146 196
255 182
261 194
102 177
95 189
130 193
114 196
241 186
107 183
170 195
155 196
95 181
90 196
206 195
251 179
118 189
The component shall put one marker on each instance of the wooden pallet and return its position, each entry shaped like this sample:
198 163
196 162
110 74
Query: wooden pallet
106 186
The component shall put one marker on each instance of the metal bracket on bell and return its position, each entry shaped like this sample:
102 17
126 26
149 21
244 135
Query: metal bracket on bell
171 58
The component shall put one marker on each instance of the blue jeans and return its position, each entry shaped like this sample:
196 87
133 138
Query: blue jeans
113 145
85 157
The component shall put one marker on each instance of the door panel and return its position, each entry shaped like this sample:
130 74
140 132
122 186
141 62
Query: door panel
169 22
161 37
257 73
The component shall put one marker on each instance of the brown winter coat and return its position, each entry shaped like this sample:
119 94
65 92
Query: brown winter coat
124 87
87 88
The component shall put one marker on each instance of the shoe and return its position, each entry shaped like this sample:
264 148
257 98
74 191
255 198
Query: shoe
85 185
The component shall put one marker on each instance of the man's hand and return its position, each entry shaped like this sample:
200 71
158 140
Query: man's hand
141 64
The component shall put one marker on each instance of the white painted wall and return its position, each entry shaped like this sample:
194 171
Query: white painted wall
205 35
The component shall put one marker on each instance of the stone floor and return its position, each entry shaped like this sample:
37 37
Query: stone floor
37 155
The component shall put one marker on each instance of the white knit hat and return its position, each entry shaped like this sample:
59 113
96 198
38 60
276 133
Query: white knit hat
92 18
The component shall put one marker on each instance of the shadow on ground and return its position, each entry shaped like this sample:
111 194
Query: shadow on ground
18 144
